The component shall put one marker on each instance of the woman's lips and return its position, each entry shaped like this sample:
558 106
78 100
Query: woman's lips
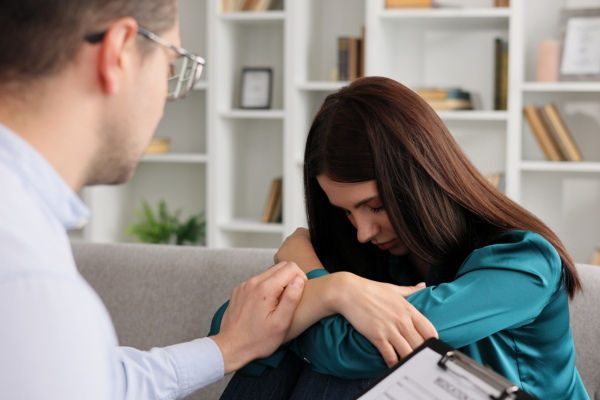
388 245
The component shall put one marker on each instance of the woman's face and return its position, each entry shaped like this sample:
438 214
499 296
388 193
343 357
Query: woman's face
361 203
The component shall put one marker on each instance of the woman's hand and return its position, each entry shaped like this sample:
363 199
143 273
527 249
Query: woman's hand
298 248
380 312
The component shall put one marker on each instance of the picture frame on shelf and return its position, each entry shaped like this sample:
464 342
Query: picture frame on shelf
580 36
256 88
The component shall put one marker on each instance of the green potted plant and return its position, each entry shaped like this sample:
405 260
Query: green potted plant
164 227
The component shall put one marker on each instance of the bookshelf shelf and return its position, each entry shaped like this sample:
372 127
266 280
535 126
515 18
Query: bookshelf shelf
561 87
254 17
253 114
446 13
450 18
473 115
251 226
560 166
176 158
323 86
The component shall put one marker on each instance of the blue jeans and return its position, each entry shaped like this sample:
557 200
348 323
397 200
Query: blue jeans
292 380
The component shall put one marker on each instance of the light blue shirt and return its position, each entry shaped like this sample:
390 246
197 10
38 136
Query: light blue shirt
57 341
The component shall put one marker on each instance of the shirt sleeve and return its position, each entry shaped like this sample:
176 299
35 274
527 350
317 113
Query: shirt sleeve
57 342
501 286
173 372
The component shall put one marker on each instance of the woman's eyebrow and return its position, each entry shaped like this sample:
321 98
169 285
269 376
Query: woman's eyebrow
360 203
365 201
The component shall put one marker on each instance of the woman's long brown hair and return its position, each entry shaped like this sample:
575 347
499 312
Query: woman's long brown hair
438 203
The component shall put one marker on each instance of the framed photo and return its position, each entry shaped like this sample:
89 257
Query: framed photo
256 88
580 33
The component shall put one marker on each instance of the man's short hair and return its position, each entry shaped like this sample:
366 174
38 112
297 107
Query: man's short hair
38 37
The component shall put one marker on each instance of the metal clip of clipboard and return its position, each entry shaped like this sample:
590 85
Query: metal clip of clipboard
505 388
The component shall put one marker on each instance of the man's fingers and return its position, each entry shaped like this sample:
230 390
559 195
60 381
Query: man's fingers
269 272
288 302
284 275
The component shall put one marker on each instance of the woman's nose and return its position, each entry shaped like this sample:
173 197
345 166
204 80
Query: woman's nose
365 230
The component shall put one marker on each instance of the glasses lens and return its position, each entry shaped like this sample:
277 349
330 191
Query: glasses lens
184 73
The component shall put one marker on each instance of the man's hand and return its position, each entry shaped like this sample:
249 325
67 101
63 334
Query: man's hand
259 315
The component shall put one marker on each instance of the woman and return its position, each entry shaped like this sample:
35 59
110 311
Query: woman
392 201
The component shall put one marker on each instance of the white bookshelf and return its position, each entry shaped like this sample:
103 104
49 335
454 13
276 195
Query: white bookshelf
565 195
224 158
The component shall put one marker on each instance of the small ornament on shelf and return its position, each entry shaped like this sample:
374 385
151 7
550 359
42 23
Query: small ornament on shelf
256 88
548 60
580 32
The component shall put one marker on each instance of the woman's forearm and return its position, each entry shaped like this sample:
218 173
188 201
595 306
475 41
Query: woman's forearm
298 248
320 299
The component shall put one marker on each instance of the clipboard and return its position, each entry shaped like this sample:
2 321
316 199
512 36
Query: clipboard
436 371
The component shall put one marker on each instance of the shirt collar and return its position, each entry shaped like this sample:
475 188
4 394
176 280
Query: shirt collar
35 171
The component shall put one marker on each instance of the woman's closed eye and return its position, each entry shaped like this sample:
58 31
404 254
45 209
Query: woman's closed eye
373 209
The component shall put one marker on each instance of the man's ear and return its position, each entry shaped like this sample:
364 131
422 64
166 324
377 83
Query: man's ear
115 53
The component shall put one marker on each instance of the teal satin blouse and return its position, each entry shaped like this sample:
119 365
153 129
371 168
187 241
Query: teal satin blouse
506 308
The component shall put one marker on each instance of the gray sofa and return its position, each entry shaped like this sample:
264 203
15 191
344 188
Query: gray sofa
161 295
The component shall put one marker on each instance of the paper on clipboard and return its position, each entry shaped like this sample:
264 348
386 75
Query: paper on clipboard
421 378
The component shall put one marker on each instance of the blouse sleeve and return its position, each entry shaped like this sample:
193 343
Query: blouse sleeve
503 286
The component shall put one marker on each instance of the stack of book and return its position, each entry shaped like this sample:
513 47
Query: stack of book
273 207
552 134
595 259
441 99
408 3
500 74
351 57
497 180
249 5
158 145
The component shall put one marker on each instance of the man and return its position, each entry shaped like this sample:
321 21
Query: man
82 89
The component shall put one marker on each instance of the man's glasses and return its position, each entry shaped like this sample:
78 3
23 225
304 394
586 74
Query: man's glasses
185 71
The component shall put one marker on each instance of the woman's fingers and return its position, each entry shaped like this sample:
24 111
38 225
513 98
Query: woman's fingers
406 291
387 352
401 345
424 326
